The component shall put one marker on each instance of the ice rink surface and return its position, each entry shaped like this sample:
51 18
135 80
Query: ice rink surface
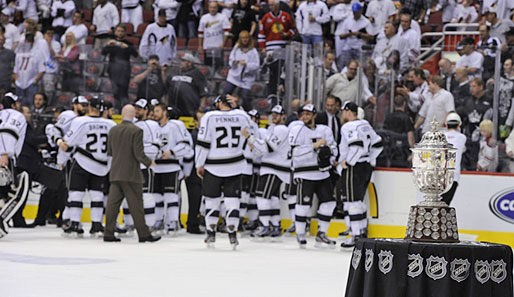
39 262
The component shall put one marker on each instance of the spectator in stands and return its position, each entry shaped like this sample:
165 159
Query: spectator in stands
447 73
81 4
132 12
356 32
51 65
465 13
329 65
416 80
62 13
310 17
78 29
159 39
378 12
507 48
488 154
11 32
509 142
187 18
244 63
470 59
487 46
387 42
150 82
28 69
119 51
498 26
477 109
461 91
227 7
213 34
243 18
7 58
505 96
105 17
418 8
339 13
187 87
408 33
30 25
506 70
276 28
294 107
399 121
171 7
25 8
438 106
70 64
330 116
448 8
345 85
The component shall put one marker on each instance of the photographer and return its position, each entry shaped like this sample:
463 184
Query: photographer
150 82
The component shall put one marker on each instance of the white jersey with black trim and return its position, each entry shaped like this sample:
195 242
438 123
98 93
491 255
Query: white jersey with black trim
219 148
88 136
249 154
359 143
305 157
274 148
151 142
61 127
187 161
13 127
172 138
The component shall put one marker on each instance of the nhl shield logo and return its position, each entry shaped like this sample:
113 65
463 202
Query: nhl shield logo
357 254
436 267
415 267
369 260
385 261
459 269
482 271
498 271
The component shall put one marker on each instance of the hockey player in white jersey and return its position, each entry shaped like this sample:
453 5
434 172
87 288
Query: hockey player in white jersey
220 163
175 146
313 153
14 189
358 150
88 138
275 170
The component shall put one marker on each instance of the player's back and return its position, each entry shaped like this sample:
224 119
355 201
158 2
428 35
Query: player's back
151 140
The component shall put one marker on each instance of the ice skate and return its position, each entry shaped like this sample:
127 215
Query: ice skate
232 237
172 228
289 231
345 232
348 243
210 239
251 225
74 231
97 230
301 240
158 227
261 232
127 230
322 240
276 233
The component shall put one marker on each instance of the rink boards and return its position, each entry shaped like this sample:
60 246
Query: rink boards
484 204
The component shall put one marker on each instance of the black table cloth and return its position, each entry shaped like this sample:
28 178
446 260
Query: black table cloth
397 268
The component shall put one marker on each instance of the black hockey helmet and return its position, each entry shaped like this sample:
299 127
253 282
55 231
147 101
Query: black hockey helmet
171 113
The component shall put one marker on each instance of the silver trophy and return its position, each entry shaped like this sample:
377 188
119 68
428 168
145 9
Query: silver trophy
433 166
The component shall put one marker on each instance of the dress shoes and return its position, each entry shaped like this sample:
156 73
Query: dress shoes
150 238
111 239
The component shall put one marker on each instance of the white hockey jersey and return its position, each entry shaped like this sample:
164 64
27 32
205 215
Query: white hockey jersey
359 143
305 157
12 132
187 161
173 139
219 148
151 142
88 136
160 41
275 152
249 154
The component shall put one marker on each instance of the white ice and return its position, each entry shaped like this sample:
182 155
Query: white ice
39 262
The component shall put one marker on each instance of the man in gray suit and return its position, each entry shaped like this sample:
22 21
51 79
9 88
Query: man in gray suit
125 145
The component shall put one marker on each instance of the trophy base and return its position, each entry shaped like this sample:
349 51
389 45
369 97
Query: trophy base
432 224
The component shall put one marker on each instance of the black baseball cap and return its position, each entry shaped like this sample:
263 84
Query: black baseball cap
96 103
349 105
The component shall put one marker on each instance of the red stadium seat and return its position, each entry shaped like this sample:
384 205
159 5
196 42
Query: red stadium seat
130 28
141 29
435 18
192 45
90 40
134 40
181 43
148 16
88 15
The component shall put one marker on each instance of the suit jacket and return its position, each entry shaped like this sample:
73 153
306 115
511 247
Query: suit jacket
322 119
125 145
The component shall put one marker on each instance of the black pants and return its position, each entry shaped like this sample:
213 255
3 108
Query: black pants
275 69
194 198
51 202
354 182
448 196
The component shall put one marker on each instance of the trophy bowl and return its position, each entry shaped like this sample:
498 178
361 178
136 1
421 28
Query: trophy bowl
433 167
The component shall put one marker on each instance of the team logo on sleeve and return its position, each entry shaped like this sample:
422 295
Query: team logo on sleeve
498 271
357 254
459 269
369 259
415 267
482 271
385 261
436 267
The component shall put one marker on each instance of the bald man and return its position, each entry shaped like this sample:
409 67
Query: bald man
125 146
